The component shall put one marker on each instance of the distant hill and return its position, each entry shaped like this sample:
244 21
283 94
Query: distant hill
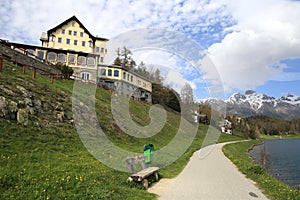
256 104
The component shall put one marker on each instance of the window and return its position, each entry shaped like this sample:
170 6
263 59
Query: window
102 49
62 31
59 40
116 73
103 72
70 32
51 56
139 82
91 61
41 54
131 78
61 57
85 76
52 38
97 49
83 43
68 41
109 72
81 34
124 75
75 42
128 77
73 24
82 60
144 84
75 33
101 59
31 51
91 44
71 59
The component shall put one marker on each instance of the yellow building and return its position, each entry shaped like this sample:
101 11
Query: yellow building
72 44
84 51
125 82
72 35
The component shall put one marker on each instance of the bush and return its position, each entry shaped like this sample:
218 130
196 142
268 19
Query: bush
64 68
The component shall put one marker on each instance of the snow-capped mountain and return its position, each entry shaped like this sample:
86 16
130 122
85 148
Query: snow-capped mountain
252 103
291 99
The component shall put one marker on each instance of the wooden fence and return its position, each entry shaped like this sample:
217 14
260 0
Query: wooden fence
18 55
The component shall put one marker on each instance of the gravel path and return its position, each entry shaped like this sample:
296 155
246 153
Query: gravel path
212 177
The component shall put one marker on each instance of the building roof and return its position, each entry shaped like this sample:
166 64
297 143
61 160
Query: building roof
74 18
28 46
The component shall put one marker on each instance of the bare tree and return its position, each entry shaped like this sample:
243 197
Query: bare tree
187 96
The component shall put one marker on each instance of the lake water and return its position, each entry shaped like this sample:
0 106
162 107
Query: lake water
281 159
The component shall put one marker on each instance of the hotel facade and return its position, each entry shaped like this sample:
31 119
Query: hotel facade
72 44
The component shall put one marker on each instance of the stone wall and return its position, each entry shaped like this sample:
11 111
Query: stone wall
21 58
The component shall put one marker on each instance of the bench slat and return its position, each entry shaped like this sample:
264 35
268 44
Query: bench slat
144 173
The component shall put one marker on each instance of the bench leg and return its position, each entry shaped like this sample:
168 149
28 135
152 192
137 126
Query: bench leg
129 179
156 176
145 183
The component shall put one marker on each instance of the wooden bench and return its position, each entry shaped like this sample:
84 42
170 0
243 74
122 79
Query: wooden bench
142 175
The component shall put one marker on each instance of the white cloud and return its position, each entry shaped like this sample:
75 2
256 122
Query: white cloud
266 32
253 35
23 21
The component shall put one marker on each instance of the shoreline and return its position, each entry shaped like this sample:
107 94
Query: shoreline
272 187
257 160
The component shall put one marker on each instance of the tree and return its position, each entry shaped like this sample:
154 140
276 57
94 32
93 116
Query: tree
124 58
188 108
117 60
173 100
156 77
142 70
187 96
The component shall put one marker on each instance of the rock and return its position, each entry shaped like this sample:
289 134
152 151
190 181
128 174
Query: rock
21 104
3 106
60 116
7 91
28 102
22 117
38 104
59 107
12 109
25 92
30 110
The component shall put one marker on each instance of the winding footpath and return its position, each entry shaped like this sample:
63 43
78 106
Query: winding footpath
209 178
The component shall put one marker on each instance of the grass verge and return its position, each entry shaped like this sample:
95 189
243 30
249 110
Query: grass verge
271 187
43 161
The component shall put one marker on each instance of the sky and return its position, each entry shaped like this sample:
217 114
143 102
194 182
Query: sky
245 45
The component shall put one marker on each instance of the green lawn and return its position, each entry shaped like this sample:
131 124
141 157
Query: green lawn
49 161
290 136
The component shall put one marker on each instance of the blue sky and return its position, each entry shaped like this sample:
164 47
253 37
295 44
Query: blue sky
251 44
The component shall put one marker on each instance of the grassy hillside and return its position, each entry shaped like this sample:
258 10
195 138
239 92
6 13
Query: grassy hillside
45 158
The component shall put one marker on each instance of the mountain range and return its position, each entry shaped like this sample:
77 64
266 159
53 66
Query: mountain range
253 104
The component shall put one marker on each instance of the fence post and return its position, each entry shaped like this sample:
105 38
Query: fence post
56 76
1 63
52 78
24 69
34 72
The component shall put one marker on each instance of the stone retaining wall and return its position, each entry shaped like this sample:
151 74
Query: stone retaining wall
27 60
